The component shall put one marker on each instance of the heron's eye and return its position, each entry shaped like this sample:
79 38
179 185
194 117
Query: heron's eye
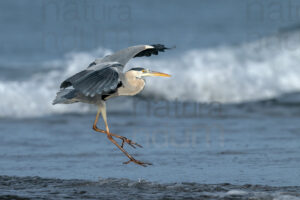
143 71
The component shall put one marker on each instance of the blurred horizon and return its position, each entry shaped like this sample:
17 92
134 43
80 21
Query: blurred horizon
54 28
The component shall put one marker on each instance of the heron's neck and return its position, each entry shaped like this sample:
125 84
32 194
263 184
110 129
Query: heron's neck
134 83
131 84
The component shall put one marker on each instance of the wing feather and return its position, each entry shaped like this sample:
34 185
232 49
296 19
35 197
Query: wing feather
94 82
68 82
154 51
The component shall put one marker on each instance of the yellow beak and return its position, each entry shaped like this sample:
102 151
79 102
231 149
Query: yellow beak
152 73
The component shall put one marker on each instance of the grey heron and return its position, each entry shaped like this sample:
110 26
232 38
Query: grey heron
103 79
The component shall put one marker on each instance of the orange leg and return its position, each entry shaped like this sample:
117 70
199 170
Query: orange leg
124 139
102 110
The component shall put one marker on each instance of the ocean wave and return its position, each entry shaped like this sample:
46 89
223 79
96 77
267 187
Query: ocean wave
33 97
252 71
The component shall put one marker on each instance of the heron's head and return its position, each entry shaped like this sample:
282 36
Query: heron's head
142 72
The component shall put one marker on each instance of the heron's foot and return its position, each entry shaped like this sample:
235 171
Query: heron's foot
144 164
124 139
132 144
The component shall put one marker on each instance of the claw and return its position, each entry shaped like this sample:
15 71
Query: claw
124 139
122 145
137 162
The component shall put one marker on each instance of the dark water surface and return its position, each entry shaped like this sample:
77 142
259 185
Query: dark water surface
112 188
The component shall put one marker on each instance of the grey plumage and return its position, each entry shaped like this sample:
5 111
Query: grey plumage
92 82
124 55
65 96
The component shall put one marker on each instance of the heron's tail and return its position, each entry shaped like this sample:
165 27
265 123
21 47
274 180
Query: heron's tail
65 96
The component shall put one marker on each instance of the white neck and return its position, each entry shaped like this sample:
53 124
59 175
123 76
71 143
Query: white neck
131 84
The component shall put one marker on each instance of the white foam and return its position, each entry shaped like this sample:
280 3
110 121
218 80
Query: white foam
285 197
236 192
33 97
226 74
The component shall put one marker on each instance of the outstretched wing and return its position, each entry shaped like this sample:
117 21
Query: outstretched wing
93 82
124 55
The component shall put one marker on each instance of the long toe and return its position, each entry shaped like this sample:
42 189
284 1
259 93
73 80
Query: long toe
132 144
144 164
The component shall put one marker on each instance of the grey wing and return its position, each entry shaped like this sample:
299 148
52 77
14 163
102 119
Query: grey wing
124 55
94 82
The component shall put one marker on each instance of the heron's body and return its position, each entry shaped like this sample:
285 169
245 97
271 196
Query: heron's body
126 87
103 79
